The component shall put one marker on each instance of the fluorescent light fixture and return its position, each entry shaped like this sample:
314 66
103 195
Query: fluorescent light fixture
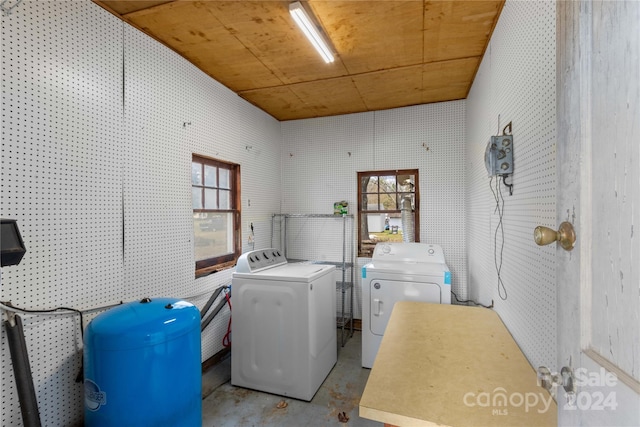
309 29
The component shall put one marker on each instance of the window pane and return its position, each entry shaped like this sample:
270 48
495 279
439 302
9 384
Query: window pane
388 201
377 228
196 196
210 179
213 235
388 184
402 196
225 199
368 241
196 173
369 184
224 178
371 202
406 182
376 223
210 198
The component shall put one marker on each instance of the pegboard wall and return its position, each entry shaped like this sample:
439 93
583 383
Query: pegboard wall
324 239
516 83
99 123
321 158
330 235
61 179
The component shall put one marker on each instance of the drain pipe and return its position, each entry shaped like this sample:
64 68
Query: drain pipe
22 371
215 311
207 306
406 212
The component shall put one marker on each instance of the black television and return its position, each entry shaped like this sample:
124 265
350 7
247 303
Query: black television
11 245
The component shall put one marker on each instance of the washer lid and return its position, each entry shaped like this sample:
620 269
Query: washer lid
294 272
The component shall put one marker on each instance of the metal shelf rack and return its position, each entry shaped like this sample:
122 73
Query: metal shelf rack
346 264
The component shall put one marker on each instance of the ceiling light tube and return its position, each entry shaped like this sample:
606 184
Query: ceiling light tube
308 28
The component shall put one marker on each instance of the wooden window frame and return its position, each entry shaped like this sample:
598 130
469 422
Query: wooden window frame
361 193
211 265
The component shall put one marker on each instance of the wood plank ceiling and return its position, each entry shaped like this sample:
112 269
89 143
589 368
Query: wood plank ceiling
388 53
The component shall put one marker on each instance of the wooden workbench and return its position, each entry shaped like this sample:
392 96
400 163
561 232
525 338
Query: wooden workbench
452 365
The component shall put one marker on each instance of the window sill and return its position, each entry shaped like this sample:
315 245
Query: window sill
215 269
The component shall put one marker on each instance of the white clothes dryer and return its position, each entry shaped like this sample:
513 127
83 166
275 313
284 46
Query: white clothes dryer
399 272
284 324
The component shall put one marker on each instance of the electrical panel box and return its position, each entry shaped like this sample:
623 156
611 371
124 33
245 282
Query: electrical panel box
11 244
498 157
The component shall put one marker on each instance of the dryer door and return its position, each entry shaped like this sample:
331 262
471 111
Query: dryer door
385 293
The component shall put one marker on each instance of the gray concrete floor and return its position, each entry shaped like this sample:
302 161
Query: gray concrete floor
230 406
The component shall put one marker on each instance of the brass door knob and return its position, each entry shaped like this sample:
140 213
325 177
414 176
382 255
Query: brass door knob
565 235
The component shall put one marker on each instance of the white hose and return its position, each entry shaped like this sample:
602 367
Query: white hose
408 234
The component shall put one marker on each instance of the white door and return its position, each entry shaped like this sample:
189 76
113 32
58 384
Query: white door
598 152
385 293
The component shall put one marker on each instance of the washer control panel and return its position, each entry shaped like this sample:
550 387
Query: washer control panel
253 261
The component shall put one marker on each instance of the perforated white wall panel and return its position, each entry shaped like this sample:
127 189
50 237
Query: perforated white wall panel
171 111
96 168
62 181
516 81
321 158
321 239
431 138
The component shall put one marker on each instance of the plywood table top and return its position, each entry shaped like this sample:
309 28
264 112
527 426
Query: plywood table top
452 365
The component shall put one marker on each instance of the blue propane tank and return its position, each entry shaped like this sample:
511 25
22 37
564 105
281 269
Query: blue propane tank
142 365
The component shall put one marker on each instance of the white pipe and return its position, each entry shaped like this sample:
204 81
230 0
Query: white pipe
408 233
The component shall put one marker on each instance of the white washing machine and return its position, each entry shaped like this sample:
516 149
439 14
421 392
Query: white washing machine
399 272
284 325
